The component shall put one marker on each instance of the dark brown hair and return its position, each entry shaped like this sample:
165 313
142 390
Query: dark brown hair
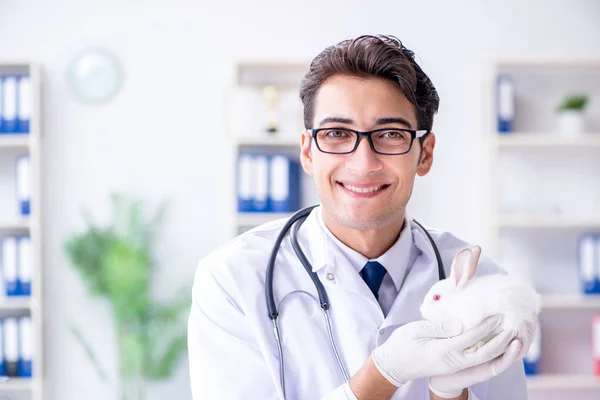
378 56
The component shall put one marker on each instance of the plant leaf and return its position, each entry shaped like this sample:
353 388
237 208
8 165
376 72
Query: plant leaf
573 102
127 281
116 262
164 365
165 315
88 350
86 252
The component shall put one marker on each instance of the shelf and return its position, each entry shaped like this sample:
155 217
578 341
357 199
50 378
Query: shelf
547 221
286 74
15 384
14 224
266 141
548 63
16 303
253 219
560 381
17 224
574 301
14 141
547 140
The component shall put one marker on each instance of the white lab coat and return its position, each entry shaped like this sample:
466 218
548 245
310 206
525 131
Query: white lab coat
232 348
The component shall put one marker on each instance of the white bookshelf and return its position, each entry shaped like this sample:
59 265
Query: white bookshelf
12 145
253 219
525 221
15 224
535 225
571 302
245 120
563 381
528 140
8 141
262 140
15 304
9 385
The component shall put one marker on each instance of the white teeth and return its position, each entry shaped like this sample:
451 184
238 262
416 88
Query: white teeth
363 190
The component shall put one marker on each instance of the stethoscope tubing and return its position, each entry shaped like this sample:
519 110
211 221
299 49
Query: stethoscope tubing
271 307
300 216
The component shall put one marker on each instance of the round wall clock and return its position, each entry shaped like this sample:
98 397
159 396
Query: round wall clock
95 76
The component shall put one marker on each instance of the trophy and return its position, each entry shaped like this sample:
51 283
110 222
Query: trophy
271 97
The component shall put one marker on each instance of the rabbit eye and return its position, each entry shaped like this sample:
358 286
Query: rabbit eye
436 297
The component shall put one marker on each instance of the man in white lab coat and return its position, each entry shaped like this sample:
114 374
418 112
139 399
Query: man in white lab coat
368 113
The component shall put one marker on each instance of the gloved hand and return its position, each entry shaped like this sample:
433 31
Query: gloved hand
421 348
525 334
452 385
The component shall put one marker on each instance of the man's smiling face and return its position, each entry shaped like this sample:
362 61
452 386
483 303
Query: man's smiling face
364 190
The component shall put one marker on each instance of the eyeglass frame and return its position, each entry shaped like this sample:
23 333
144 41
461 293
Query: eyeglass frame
414 134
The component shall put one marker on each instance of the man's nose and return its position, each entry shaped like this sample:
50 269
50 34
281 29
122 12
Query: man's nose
364 159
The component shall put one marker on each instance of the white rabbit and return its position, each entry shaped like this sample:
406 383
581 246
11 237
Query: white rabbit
473 299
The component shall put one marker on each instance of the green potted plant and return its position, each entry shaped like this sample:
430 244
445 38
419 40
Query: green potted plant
116 263
571 114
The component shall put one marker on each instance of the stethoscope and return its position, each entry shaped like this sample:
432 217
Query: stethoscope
299 217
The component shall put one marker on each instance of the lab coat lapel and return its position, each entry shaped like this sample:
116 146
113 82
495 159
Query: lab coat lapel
355 314
327 261
348 279
330 264
422 275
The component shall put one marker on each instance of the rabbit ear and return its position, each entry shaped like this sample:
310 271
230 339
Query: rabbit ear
464 265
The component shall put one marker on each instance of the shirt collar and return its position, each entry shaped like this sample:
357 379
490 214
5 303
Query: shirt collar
395 260
317 250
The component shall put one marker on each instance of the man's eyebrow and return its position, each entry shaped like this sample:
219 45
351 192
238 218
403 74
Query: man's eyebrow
397 120
339 120
380 121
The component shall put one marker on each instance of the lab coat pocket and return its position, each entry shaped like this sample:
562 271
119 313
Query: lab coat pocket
309 360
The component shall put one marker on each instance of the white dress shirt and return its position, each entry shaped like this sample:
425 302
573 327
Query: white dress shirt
232 349
397 261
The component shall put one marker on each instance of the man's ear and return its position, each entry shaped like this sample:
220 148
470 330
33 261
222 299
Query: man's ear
426 157
305 153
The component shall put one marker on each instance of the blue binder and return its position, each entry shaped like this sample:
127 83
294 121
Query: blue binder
505 105
588 259
2 362
9 266
244 184
1 104
597 265
24 266
284 183
23 172
11 348
531 361
260 192
9 104
25 347
23 104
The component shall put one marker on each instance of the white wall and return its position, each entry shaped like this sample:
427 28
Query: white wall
162 136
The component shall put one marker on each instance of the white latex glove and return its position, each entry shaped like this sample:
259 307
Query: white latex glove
421 349
452 385
525 334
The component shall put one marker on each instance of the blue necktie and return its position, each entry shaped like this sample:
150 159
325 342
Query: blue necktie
373 274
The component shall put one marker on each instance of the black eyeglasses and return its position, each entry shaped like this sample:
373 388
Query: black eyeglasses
388 141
